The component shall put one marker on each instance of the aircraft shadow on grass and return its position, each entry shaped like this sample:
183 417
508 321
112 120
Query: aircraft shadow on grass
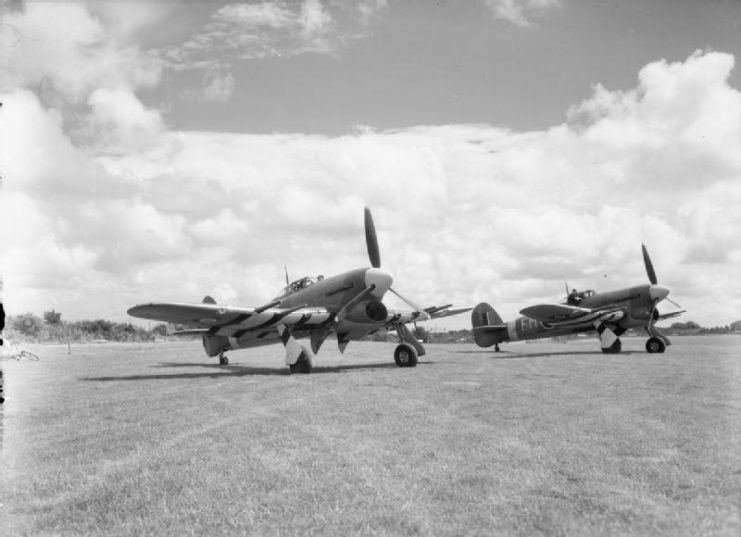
515 356
234 371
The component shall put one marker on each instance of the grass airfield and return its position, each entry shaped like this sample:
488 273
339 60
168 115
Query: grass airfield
541 439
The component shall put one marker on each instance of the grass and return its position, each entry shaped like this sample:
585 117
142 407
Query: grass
542 439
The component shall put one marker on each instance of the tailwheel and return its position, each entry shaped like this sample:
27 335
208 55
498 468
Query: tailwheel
655 344
303 364
223 360
405 355
615 348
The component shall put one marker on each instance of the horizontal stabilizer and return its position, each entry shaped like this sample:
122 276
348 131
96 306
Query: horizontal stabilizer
490 328
447 311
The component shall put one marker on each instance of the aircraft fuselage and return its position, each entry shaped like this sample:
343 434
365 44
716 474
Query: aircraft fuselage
635 301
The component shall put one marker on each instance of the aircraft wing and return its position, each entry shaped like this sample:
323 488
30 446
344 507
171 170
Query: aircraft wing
397 317
230 321
436 312
551 313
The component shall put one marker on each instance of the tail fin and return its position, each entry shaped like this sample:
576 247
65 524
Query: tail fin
488 327
208 300
484 315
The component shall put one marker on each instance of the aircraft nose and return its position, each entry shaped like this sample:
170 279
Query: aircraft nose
658 292
380 278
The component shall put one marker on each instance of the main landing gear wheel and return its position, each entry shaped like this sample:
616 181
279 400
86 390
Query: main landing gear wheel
614 348
654 344
405 355
223 360
302 365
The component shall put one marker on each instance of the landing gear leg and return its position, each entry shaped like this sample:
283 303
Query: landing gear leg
658 342
496 347
223 360
409 350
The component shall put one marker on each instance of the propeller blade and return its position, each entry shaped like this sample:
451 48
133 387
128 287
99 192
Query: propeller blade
409 302
371 240
649 266
670 300
285 268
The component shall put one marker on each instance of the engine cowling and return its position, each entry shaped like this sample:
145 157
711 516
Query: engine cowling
373 311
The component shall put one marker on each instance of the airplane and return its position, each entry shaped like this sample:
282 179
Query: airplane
610 313
348 305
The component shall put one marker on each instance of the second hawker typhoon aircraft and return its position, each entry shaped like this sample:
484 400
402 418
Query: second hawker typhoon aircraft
610 313
348 305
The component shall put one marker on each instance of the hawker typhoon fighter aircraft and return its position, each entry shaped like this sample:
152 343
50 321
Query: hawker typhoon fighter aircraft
610 314
349 305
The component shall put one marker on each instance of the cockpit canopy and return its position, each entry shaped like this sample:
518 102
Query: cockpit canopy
299 284
577 296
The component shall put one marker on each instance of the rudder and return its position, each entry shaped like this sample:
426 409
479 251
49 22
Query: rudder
488 327
484 315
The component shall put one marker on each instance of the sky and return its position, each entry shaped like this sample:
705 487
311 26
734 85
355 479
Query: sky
163 150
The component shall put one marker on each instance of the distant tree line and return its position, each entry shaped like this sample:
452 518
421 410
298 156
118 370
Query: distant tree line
51 328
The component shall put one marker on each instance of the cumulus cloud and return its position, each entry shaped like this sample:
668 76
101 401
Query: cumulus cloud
74 58
520 12
314 18
273 28
120 122
464 212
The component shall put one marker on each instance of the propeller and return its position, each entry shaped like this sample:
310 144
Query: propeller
371 240
374 254
670 300
657 292
285 268
409 302
649 266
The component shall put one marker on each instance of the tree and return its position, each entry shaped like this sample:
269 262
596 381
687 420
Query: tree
160 329
689 325
27 324
52 317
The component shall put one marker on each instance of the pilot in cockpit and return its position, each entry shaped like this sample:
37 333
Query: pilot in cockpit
574 297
